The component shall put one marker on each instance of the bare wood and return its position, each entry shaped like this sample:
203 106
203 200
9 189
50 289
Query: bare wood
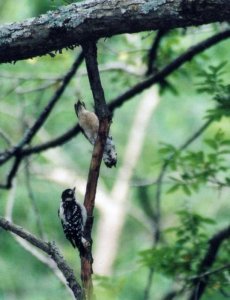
76 23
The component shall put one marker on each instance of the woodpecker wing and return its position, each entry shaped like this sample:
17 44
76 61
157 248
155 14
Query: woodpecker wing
89 124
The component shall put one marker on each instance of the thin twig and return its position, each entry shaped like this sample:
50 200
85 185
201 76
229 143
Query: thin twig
49 248
208 273
39 88
6 138
153 51
32 199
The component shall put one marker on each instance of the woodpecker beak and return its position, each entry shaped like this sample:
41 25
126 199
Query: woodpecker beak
74 190
78 106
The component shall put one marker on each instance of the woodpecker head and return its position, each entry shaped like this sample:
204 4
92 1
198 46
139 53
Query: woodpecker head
79 106
68 195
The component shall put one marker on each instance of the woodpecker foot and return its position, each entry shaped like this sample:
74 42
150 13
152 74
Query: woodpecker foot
85 243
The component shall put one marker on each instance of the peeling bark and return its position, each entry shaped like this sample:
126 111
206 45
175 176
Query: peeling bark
76 23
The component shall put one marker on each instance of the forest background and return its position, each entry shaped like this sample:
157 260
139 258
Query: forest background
166 203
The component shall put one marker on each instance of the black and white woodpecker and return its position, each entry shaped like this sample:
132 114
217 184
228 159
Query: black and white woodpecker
89 124
73 218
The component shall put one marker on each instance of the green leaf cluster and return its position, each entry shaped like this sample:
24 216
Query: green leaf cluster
194 169
213 84
180 258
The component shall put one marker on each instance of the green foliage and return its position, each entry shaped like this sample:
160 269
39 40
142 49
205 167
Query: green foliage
180 258
213 84
194 169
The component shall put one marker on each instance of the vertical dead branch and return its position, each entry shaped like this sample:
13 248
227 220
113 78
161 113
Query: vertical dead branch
113 212
90 53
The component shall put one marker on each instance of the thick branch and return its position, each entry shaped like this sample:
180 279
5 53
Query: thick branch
77 23
200 283
51 250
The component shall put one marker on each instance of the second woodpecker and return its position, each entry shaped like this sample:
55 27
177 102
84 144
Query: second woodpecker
89 124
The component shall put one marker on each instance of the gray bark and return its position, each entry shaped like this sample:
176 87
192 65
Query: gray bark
76 23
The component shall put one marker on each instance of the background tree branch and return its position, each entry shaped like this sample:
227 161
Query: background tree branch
200 282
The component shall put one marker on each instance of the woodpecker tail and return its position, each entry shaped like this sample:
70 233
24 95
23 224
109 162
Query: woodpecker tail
83 246
110 154
82 250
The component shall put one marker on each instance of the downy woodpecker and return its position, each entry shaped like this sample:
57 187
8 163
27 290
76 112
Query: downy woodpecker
73 218
89 124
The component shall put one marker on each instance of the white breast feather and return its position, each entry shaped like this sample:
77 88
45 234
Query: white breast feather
61 214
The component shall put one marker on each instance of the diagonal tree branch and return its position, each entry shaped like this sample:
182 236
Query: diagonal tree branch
171 67
50 249
17 151
90 53
76 23
30 133
200 283
62 139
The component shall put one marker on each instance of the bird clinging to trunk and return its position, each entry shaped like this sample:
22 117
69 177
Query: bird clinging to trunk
73 217
89 124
